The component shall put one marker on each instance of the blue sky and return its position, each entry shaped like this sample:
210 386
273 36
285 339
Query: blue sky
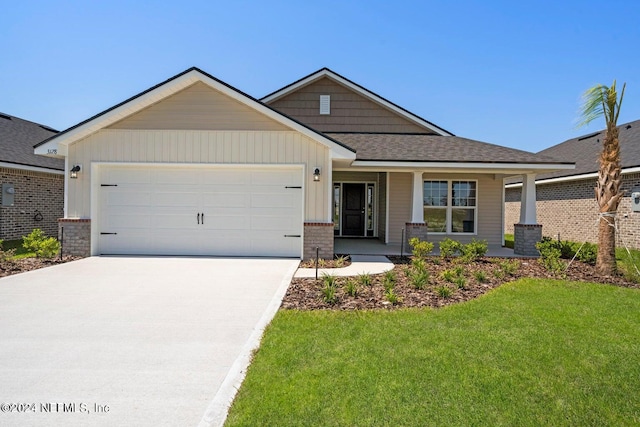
505 72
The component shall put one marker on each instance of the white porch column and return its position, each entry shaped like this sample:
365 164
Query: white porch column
528 199
417 213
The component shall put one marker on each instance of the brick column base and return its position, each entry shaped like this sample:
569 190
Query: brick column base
318 234
525 237
414 229
76 240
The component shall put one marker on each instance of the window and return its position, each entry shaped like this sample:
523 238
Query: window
450 206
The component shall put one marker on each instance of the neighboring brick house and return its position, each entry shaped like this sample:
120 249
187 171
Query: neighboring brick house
32 193
566 204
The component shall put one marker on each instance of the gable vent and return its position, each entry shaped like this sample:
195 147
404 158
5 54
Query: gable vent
325 104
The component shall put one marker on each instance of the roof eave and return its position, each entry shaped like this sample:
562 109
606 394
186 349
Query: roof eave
505 168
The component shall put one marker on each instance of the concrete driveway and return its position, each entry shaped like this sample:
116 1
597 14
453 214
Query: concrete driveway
132 341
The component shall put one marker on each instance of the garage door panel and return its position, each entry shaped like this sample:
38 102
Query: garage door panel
247 211
273 200
230 200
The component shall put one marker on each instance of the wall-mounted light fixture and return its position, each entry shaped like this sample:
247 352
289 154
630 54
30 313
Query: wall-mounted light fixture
73 173
316 174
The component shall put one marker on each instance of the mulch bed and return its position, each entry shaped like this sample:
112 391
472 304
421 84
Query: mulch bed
9 267
306 294
338 262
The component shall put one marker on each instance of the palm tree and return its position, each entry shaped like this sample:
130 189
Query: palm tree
601 100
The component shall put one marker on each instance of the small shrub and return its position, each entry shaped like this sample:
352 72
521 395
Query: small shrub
419 279
391 296
473 250
364 279
329 280
459 270
498 273
340 261
444 291
461 282
419 264
44 247
509 267
329 294
550 253
480 276
390 276
449 275
421 248
588 253
322 263
351 288
449 247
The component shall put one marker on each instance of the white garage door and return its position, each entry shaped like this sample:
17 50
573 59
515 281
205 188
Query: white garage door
200 211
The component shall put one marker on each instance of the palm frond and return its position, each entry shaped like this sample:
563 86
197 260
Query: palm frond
593 100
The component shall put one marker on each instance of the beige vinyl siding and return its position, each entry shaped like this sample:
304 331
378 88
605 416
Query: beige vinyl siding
400 185
489 207
350 111
198 147
382 205
199 107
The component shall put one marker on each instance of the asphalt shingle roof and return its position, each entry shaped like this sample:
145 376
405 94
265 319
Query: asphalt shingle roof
434 148
584 151
17 138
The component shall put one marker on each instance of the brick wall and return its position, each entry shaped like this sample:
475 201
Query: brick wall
318 234
76 239
35 192
569 209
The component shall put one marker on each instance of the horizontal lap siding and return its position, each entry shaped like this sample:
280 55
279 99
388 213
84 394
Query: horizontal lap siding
350 111
489 207
199 147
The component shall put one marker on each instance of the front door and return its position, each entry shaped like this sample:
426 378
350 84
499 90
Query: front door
353 209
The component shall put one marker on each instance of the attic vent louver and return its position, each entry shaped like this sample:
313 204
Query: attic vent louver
325 104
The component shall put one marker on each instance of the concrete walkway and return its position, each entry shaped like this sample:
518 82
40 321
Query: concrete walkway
371 264
137 341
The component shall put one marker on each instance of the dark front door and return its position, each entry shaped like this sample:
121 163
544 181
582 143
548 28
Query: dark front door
353 203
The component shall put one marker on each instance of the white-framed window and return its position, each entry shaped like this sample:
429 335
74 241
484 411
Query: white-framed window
451 206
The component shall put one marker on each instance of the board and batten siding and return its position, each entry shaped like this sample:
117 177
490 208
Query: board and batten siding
489 195
198 147
199 107
350 111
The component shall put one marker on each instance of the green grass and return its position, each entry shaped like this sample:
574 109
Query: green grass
508 240
533 352
626 263
17 245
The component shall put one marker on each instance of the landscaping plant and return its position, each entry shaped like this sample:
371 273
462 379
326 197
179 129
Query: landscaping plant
41 245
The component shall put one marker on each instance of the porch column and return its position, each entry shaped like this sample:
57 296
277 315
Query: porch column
527 232
417 213
528 199
417 227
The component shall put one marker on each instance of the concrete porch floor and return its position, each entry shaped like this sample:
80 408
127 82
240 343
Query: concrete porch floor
362 246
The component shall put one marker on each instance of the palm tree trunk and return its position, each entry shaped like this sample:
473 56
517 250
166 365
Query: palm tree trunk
608 196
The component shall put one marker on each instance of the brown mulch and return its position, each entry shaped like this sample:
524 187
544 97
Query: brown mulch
9 267
306 294
338 262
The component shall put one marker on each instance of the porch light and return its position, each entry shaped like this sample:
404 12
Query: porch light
73 173
316 174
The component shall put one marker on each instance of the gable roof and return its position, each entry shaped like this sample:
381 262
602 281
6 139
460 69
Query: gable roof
326 72
168 88
437 149
585 150
17 138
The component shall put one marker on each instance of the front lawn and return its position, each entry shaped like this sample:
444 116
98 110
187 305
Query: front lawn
532 352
